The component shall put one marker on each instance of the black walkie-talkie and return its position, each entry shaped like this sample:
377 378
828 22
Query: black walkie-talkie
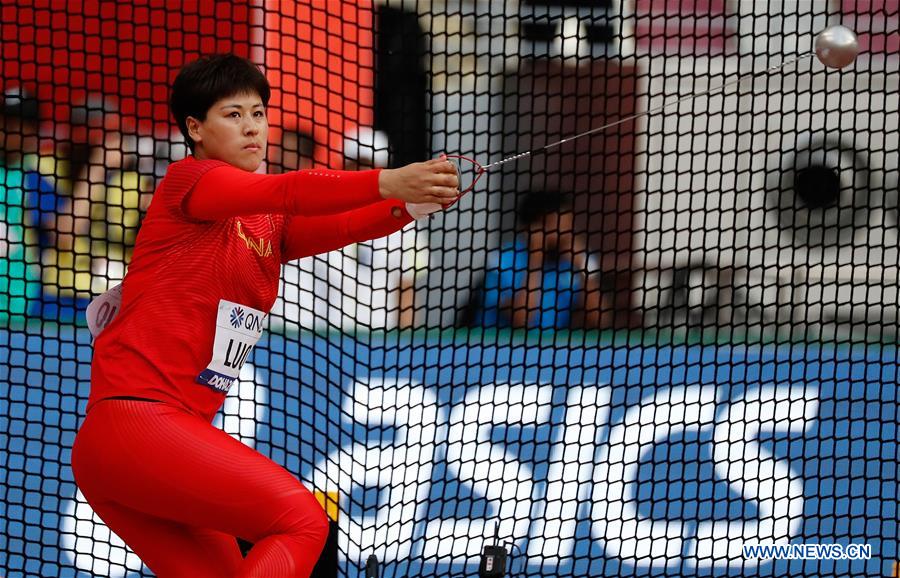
372 567
493 559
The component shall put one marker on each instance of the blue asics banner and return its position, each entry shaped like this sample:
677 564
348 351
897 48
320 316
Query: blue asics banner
594 460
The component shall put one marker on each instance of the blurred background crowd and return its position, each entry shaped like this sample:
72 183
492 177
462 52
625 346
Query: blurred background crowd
675 219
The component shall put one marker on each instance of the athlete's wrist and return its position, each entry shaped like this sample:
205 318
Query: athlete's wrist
385 184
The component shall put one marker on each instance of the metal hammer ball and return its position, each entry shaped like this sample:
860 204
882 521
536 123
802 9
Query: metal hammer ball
836 46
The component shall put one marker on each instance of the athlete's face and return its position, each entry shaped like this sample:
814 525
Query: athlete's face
235 131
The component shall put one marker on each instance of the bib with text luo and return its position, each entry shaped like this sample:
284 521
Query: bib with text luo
238 328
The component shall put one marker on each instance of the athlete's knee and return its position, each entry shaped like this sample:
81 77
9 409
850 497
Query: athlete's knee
305 520
319 528
313 524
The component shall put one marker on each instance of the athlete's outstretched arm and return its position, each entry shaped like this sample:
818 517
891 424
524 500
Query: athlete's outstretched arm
228 191
305 236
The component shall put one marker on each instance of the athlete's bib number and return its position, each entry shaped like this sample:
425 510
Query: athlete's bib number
238 328
103 309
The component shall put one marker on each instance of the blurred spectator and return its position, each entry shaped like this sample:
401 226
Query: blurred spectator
23 196
544 278
368 284
387 268
65 272
109 201
104 174
109 196
319 277
88 122
21 151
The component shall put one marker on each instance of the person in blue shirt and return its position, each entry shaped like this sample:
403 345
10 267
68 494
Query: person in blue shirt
24 196
541 278
30 203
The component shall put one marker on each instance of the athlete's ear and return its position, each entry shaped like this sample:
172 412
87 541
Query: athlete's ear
193 127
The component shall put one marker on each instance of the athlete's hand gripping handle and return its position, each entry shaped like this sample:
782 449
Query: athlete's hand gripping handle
433 181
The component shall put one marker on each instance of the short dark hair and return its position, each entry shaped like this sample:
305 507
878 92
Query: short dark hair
538 204
203 82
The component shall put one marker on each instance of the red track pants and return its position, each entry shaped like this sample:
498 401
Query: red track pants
178 490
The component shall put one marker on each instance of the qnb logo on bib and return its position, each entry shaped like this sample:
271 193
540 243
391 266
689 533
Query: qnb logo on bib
238 328
237 317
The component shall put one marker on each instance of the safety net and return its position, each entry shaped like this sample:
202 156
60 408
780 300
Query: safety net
664 347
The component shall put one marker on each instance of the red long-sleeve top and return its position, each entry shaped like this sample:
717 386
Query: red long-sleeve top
205 273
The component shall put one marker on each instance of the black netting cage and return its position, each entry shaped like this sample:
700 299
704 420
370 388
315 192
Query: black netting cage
667 346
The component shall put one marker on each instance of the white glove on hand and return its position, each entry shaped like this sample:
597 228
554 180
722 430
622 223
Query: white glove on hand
419 211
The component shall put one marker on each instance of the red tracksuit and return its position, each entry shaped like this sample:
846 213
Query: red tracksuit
202 280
